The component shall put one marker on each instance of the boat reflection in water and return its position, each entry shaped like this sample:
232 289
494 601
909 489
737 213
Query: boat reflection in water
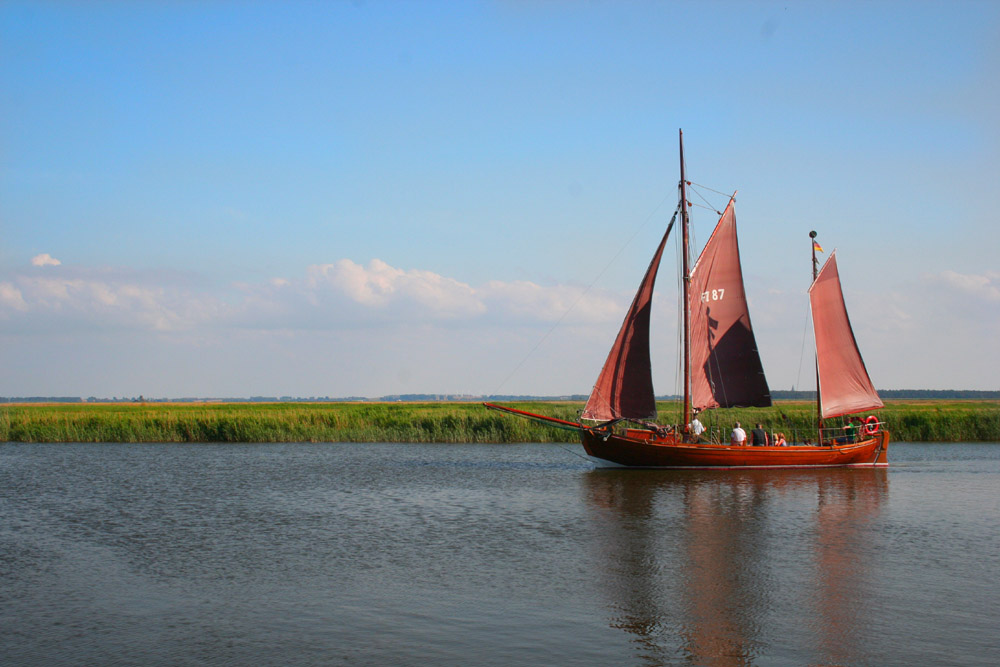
727 567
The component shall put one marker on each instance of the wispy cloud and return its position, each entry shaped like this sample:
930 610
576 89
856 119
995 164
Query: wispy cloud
984 287
367 320
936 332
341 294
426 295
45 259
340 328
105 299
11 298
379 285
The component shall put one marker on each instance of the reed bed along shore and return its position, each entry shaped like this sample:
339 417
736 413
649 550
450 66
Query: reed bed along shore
908 421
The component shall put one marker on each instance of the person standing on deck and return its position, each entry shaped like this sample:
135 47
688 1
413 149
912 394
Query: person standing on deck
851 430
738 437
695 428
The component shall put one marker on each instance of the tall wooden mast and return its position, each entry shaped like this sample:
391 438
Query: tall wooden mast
819 397
686 308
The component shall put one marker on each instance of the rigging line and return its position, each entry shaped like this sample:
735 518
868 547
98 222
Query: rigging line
708 207
802 350
679 379
708 203
697 185
585 292
717 383
597 391
587 459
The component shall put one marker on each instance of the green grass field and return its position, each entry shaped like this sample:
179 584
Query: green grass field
913 421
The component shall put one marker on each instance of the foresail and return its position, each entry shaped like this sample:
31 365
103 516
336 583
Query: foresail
844 385
725 364
624 389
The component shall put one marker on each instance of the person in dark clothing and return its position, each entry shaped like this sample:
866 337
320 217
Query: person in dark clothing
758 436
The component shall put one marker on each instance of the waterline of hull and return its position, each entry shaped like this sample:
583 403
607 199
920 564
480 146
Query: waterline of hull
603 463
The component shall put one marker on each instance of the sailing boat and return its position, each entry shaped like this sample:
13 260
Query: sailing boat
722 369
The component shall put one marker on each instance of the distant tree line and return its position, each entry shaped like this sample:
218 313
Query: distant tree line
899 394
937 393
40 399
777 394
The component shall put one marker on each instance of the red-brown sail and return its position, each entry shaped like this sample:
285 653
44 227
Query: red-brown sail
725 365
624 389
844 385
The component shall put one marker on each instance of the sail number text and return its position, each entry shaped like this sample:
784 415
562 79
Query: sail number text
712 295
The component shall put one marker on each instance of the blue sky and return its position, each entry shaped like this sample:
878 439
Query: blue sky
234 199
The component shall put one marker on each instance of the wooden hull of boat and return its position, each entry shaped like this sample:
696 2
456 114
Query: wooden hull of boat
638 450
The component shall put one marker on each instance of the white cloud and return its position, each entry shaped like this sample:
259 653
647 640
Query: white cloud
105 300
985 286
342 294
379 285
45 259
937 332
339 329
394 293
373 324
10 297
522 300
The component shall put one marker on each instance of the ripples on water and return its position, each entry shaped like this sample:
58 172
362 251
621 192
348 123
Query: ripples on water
454 554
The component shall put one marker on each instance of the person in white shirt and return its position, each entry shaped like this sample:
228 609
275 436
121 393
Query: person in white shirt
695 428
738 436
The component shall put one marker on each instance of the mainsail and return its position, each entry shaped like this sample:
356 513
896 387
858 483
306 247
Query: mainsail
844 385
725 365
624 389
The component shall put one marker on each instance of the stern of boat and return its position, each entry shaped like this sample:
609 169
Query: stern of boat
882 453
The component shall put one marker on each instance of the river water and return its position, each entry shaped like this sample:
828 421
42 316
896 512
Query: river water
329 554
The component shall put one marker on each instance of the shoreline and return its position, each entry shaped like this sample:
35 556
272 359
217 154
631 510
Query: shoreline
444 422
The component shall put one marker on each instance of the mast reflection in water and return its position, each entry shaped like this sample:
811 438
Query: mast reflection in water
704 566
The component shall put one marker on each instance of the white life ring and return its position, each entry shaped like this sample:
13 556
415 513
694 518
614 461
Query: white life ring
871 425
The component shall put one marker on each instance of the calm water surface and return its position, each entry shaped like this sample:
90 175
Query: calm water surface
316 554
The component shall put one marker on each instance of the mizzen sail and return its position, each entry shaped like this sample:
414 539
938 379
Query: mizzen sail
725 364
844 385
624 389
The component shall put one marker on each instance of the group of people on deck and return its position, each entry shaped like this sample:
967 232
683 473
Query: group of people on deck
758 437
